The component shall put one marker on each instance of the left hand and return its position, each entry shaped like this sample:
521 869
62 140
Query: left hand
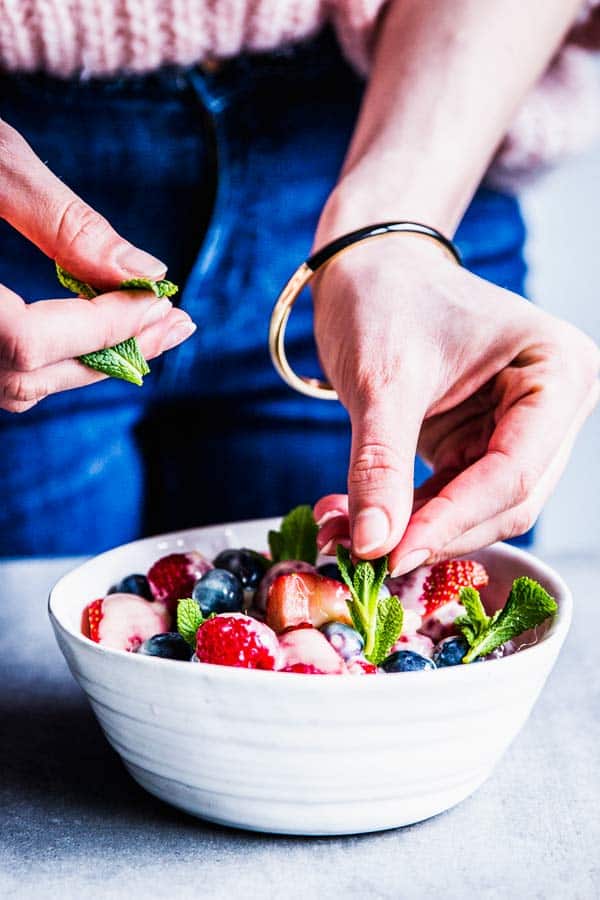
488 389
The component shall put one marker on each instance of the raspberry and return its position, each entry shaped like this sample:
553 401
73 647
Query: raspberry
173 577
233 639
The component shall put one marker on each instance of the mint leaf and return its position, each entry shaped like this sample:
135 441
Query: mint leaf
380 567
476 613
131 352
346 567
73 284
528 605
390 616
296 538
357 611
125 361
275 545
112 362
161 288
475 621
364 580
189 620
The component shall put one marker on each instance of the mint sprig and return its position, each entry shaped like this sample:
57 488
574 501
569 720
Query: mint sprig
296 538
528 605
189 620
124 360
377 619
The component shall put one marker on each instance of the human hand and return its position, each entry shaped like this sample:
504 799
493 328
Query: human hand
428 358
39 341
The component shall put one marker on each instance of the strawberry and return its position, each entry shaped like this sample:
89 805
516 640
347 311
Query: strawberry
233 639
303 669
445 580
359 666
418 643
408 589
280 568
94 613
124 621
173 577
307 647
306 597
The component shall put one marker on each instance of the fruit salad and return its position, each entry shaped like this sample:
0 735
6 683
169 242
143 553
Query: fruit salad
282 611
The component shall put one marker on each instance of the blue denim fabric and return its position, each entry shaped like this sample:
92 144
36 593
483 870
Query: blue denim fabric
222 176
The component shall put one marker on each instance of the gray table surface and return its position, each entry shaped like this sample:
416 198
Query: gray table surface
73 824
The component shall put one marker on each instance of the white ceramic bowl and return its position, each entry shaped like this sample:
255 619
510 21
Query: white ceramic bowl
303 754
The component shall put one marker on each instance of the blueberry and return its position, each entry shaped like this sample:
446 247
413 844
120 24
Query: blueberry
406 661
247 566
133 584
218 592
450 652
167 646
330 570
344 639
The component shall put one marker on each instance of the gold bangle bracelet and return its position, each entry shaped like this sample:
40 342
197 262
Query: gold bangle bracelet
315 387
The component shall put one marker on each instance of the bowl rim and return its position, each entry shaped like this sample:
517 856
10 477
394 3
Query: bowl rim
555 637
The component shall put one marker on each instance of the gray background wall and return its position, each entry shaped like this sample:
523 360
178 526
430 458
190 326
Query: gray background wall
563 214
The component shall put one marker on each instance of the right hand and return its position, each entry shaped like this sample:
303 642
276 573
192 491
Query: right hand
429 358
39 342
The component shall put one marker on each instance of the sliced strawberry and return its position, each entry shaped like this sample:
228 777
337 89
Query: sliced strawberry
306 597
94 615
303 669
440 624
173 577
281 568
124 621
359 666
418 643
233 639
308 647
408 589
445 580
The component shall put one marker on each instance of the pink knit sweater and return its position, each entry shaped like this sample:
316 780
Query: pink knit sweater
104 37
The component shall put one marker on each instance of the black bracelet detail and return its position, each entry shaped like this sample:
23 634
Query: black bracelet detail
314 387
330 250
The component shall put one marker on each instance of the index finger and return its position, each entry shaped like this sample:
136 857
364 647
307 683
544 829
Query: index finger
39 334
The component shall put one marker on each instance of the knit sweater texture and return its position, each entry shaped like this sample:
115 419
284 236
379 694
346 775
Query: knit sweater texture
85 38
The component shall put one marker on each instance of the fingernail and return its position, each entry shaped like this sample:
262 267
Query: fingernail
177 334
138 262
157 310
411 561
371 529
331 514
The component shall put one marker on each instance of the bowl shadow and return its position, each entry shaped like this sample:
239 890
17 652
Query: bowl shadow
61 778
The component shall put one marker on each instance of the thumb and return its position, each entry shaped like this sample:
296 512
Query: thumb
380 478
48 213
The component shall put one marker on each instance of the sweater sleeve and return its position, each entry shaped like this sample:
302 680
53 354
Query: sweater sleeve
559 117
355 23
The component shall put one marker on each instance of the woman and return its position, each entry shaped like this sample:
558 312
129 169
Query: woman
224 166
